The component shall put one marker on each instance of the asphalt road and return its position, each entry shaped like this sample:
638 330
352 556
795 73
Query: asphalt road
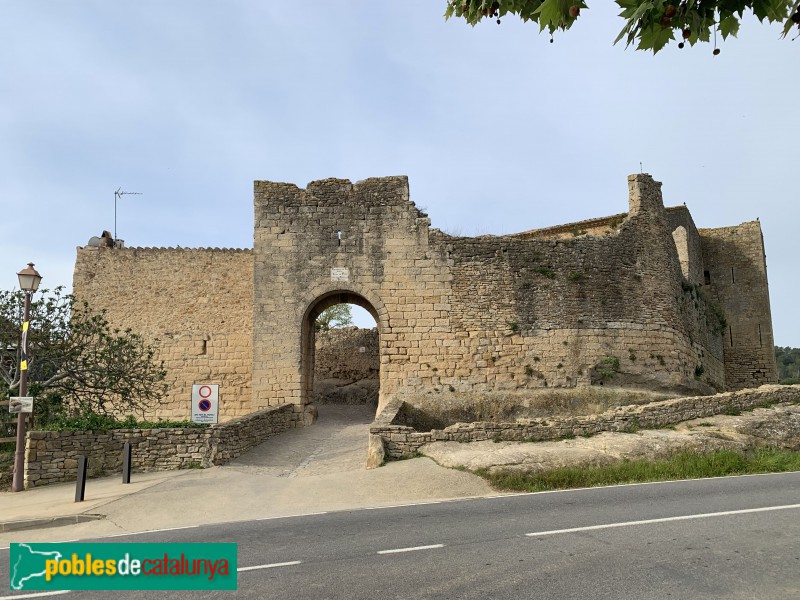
644 541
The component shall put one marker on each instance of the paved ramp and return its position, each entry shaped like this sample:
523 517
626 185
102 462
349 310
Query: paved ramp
337 442
309 469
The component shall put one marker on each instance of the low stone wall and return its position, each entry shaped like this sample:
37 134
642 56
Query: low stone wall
236 437
52 456
401 441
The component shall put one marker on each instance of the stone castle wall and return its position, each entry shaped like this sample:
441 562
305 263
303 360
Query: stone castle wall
198 304
551 309
348 353
484 313
623 296
735 267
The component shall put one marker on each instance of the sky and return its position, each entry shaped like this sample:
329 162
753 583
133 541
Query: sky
188 101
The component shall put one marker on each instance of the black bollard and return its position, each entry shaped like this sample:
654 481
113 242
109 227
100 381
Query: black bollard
80 483
126 463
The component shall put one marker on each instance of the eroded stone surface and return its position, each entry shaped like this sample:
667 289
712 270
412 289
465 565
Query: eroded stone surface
775 427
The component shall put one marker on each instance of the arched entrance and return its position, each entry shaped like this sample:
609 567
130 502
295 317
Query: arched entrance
314 310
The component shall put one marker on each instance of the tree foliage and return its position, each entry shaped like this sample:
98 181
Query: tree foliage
76 360
788 360
649 24
338 315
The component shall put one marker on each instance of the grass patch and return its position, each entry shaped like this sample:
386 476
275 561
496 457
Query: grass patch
683 465
388 459
193 465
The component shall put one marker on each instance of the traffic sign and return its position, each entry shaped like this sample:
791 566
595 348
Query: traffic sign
205 403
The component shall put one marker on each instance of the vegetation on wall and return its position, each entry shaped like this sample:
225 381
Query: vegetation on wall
709 310
95 422
648 24
606 369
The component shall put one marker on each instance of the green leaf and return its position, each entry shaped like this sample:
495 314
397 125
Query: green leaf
632 27
771 10
550 15
729 26
655 37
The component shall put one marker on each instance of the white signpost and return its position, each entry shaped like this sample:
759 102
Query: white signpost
205 403
20 404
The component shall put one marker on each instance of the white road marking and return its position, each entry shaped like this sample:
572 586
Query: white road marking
39 595
149 531
664 520
289 516
451 500
412 504
272 566
412 549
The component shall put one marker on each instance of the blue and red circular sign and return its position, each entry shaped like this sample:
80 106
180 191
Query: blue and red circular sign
205 393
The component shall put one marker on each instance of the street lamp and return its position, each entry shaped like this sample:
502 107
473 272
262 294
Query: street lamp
29 280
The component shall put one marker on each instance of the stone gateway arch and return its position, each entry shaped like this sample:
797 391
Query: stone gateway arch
646 293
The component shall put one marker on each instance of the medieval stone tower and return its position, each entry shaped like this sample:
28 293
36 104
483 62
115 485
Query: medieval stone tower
643 293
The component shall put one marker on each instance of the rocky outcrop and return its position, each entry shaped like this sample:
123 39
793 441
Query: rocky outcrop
775 427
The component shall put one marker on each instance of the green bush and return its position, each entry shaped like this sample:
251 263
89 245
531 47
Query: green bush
90 421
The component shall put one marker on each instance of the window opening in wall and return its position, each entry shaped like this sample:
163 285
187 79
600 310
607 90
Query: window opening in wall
204 347
760 341
733 276
339 238
730 333
345 364
707 277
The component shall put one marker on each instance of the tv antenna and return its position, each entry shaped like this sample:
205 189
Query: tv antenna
119 194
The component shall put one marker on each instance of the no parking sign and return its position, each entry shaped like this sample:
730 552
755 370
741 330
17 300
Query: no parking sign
205 403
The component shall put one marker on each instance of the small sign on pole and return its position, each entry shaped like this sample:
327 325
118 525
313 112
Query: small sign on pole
205 403
20 404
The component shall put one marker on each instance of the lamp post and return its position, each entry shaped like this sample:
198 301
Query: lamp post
29 280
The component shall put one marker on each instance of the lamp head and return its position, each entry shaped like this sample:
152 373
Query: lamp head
29 279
